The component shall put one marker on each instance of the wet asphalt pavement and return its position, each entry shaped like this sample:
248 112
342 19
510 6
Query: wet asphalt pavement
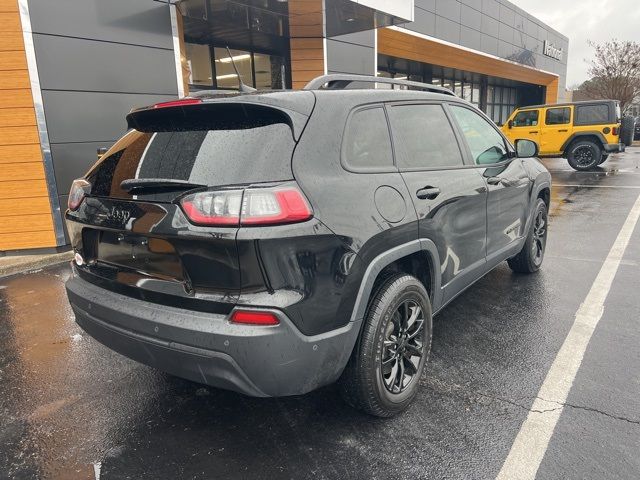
71 408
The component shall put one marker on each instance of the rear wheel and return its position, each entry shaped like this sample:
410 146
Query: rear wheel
530 258
605 157
384 371
584 155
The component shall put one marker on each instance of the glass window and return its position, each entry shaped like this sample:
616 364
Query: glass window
367 143
269 71
558 116
528 118
424 137
225 74
476 93
486 144
490 94
458 89
466 92
231 146
199 63
592 114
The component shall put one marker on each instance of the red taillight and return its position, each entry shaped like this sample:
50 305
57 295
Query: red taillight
79 188
214 208
615 131
254 317
253 206
178 103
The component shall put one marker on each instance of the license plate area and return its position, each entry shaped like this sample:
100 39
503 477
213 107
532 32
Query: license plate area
152 256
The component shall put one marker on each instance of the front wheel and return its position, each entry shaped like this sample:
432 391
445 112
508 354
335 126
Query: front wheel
584 155
530 258
384 370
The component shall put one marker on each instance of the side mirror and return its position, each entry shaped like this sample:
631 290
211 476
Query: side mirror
510 123
526 148
101 151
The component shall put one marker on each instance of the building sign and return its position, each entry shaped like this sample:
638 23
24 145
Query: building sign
398 8
550 50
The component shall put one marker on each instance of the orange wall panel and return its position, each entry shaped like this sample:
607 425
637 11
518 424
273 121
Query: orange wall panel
25 211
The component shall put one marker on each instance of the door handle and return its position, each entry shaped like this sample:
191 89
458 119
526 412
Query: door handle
534 133
564 130
428 193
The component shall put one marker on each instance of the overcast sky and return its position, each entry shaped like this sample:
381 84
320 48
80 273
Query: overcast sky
582 20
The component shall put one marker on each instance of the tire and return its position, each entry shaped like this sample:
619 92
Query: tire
372 381
605 157
627 130
530 258
584 155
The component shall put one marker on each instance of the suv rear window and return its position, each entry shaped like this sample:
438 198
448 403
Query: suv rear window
231 151
424 137
558 116
367 144
592 114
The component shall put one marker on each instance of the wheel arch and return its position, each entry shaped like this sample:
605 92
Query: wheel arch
586 135
402 258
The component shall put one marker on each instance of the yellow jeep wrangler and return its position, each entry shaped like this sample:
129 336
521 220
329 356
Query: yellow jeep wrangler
584 133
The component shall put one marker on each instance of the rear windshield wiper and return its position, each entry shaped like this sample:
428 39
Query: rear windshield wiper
157 184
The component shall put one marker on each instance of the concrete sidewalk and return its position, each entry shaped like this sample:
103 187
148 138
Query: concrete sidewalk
13 264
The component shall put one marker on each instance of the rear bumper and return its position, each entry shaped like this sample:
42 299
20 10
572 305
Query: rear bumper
614 147
207 348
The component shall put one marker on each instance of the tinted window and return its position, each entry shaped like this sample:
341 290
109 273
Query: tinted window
367 143
424 137
486 144
242 153
592 114
526 119
558 116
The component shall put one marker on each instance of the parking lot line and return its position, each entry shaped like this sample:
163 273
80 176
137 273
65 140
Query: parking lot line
532 440
596 186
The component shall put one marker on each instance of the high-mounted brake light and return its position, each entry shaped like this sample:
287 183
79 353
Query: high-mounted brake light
178 103
254 317
253 206
79 189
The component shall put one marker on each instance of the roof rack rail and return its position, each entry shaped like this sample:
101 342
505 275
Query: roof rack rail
342 81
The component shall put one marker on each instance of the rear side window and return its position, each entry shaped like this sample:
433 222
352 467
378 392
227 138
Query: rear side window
558 116
367 144
527 118
592 114
486 144
423 137
227 153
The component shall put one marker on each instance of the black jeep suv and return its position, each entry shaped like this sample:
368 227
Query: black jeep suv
272 243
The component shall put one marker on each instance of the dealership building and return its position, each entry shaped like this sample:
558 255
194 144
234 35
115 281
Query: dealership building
70 70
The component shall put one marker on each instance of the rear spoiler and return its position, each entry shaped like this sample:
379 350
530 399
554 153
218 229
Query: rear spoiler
228 113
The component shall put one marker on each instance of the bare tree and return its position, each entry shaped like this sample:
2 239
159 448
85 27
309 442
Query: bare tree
615 72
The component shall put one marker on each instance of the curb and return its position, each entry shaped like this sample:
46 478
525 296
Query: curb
26 263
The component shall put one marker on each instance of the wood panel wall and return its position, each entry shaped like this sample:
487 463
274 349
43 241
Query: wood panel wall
306 30
404 45
25 211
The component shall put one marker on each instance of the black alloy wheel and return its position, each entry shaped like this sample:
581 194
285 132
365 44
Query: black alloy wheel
403 347
383 374
539 237
584 155
530 258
